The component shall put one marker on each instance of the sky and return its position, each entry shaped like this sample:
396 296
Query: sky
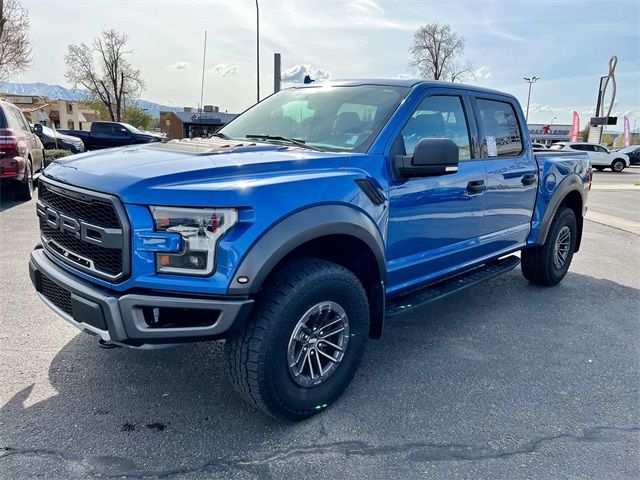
566 43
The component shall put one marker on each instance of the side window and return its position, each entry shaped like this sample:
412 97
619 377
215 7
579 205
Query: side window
438 116
588 148
19 120
102 128
600 149
577 147
501 125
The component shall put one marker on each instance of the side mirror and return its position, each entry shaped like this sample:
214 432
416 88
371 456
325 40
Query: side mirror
431 157
37 128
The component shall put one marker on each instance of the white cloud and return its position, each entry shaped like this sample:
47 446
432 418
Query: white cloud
295 75
179 66
482 73
403 76
224 70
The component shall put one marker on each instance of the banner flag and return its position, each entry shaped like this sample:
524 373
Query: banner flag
575 128
627 133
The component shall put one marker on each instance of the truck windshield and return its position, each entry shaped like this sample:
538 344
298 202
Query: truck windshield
328 118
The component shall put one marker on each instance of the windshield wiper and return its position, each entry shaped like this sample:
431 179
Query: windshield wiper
293 141
221 135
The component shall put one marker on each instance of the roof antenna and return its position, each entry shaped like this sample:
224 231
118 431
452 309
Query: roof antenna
307 79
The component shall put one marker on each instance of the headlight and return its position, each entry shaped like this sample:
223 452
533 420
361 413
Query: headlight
200 229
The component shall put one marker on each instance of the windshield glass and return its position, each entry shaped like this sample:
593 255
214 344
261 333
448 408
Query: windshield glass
131 128
330 118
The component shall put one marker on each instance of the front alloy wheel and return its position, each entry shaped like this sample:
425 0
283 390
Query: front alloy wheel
318 343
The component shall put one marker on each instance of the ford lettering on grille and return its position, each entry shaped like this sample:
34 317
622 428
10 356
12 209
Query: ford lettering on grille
86 230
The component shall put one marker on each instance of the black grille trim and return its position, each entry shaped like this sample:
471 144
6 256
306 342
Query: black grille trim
100 209
57 295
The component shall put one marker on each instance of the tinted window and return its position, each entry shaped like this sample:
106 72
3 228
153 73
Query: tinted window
101 127
600 149
501 124
577 147
438 116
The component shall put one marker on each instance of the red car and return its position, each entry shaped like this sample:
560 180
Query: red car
21 152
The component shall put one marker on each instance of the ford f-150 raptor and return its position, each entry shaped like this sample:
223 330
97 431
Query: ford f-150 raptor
302 225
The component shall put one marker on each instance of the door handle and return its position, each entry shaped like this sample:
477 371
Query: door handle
529 179
475 187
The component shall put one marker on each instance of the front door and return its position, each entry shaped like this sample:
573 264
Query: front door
434 221
512 175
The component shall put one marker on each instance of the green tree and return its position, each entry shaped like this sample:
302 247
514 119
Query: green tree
137 117
584 134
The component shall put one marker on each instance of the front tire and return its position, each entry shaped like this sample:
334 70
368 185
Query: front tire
548 264
304 343
618 165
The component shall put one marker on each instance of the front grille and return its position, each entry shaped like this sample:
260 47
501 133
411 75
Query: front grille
83 208
107 260
57 295
94 211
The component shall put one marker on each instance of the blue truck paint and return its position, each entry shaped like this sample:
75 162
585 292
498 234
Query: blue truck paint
431 227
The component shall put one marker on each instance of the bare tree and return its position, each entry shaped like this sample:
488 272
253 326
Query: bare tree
105 72
435 52
15 47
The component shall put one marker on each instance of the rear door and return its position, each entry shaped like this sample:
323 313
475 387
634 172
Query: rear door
512 173
435 221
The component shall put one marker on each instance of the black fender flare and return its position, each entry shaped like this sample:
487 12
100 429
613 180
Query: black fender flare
297 229
569 184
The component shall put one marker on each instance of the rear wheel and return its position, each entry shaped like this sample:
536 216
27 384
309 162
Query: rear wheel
24 189
303 345
549 263
600 169
617 165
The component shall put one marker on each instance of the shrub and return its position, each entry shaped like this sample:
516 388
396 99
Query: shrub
53 155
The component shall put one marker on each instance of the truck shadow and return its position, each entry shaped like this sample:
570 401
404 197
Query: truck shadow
503 343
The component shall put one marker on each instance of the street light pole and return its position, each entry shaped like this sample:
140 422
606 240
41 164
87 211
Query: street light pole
257 52
530 81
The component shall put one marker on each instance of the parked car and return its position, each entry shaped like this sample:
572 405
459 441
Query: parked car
538 146
633 152
52 139
21 152
310 218
599 156
111 134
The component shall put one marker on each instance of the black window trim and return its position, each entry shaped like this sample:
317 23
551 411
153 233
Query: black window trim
474 97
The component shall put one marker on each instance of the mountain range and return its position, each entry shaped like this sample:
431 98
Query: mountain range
58 92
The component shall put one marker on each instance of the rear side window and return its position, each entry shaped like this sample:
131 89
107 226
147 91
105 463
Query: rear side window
101 128
500 127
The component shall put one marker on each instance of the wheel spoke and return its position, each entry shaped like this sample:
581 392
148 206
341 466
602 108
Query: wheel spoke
339 319
319 364
331 344
311 373
334 360
332 333
297 363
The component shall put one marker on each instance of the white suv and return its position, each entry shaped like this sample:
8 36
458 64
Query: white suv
599 156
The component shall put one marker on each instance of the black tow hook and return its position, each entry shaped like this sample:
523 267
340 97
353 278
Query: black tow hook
107 345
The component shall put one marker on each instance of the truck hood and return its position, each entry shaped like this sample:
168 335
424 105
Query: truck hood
186 172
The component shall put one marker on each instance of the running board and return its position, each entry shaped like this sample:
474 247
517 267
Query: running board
436 291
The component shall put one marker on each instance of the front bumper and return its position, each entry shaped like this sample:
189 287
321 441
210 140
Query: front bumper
124 319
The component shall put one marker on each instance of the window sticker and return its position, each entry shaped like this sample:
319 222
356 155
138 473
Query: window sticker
492 148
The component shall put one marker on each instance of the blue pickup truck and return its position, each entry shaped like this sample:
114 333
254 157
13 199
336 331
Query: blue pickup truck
302 225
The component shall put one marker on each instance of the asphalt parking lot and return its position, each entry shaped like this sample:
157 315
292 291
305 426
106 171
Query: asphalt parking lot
502 381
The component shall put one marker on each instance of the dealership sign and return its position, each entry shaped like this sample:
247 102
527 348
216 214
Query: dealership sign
543 131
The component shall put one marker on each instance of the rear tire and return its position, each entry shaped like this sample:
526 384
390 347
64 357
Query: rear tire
618 165
24 189
548 264
259 357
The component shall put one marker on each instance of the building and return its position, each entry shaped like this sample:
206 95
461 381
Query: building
549 134
194 123
63 114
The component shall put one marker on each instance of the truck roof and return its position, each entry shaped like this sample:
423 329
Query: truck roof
394 82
